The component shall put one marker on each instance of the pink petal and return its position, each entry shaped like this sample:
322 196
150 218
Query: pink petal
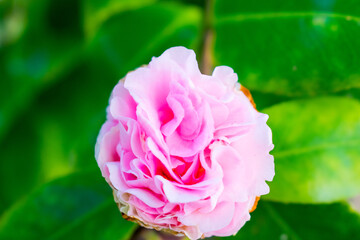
184 58
147 197
115 176
107 149
217 219
234 180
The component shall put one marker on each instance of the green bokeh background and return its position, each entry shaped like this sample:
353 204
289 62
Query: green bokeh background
59 60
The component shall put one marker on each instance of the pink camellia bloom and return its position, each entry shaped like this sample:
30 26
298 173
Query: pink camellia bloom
184 152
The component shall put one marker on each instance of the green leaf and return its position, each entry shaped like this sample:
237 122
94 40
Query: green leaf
79 206
98 11
317 149
57 135
129 40
292 48
263 100
274 221
352 93
18 166
49 45
200 3
12 22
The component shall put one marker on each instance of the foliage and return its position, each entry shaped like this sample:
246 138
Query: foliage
60 59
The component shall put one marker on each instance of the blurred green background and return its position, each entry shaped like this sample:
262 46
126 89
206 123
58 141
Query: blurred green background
59 60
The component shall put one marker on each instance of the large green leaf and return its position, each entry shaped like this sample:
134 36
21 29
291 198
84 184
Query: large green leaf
291 47
276 221
79 206
317 149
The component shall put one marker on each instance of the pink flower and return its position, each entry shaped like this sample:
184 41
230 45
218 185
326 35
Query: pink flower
183 151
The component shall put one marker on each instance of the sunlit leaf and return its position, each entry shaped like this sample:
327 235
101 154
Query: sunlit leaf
317 149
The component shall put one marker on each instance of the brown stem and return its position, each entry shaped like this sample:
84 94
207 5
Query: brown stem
207 63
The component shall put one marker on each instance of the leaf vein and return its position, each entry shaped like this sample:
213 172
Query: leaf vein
307 149
269 15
